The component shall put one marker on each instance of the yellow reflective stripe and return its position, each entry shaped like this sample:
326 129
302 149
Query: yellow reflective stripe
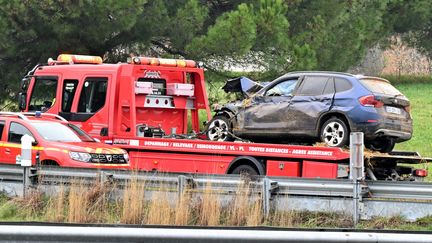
15 145
98 151
89 150
57 149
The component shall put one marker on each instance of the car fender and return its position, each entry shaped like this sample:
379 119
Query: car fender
329 114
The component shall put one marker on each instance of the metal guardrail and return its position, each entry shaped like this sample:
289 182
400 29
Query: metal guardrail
377 198
229 183
73 233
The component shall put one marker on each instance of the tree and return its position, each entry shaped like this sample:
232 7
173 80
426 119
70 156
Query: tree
33 31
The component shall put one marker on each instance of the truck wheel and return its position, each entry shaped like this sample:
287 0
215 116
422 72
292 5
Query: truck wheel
334 133
245 170
219 129
383 145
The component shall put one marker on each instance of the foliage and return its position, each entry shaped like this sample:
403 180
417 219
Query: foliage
421 111
269 37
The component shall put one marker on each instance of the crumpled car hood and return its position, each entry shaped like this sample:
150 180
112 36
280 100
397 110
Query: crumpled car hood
242 85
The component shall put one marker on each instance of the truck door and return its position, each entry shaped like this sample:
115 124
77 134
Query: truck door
270 112
13 146
85 104
313 97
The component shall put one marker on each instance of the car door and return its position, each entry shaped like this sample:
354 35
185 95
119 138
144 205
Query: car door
313 97
268 114
13 146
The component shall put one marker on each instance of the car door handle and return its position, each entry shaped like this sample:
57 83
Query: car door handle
7 151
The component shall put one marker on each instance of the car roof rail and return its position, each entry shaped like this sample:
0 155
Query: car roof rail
7 113
44 114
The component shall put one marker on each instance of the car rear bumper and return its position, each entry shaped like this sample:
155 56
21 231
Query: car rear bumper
401 131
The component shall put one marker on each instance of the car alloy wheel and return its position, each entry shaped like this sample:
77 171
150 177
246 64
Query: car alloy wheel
218 129
334 133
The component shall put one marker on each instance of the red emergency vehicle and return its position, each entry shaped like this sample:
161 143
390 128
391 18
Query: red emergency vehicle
147 105
56 142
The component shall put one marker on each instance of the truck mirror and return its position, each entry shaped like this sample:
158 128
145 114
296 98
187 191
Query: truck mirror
34 143
22 101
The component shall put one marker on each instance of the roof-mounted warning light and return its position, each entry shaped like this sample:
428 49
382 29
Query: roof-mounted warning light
162 62
73 59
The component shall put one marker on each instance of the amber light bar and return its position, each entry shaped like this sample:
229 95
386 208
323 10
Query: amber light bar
163 62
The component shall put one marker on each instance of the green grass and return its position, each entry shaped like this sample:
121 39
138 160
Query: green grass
420 96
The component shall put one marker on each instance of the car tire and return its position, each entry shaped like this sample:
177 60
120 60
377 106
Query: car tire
245 170
335 133
383 145
219 129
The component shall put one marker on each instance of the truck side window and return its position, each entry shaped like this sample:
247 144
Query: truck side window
16 131
93 95
69 89
43 94
2 125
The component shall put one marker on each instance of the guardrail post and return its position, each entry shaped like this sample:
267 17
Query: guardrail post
181 185
266 196
356 171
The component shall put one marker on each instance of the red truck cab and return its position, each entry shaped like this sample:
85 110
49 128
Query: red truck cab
132 99
57 142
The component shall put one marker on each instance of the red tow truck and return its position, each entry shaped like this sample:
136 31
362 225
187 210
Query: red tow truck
147 105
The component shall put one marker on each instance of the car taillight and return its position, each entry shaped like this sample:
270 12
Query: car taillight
421 172
369 100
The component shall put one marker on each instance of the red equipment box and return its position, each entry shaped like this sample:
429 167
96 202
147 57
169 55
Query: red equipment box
314 169
180 89
283 168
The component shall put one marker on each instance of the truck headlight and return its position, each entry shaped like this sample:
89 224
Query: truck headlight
78 156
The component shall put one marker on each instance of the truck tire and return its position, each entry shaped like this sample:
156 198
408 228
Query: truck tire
246 170
219 129
335 133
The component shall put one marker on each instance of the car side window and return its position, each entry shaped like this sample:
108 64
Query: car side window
330 87
93 95
342 84
2 125
313 85
284 88
16 131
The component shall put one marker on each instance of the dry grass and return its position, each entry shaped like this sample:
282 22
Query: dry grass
160 211
56 206
132 209
209 212
84 203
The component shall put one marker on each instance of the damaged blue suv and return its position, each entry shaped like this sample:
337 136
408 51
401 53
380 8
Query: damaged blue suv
315 106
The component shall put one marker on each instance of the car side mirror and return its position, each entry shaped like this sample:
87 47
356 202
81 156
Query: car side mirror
22 101
34 143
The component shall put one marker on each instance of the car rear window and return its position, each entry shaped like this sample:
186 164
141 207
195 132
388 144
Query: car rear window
380 86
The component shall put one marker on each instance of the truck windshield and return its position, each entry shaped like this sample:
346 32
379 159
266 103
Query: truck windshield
57 132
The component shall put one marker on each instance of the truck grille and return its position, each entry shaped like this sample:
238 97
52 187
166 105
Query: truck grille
108 158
